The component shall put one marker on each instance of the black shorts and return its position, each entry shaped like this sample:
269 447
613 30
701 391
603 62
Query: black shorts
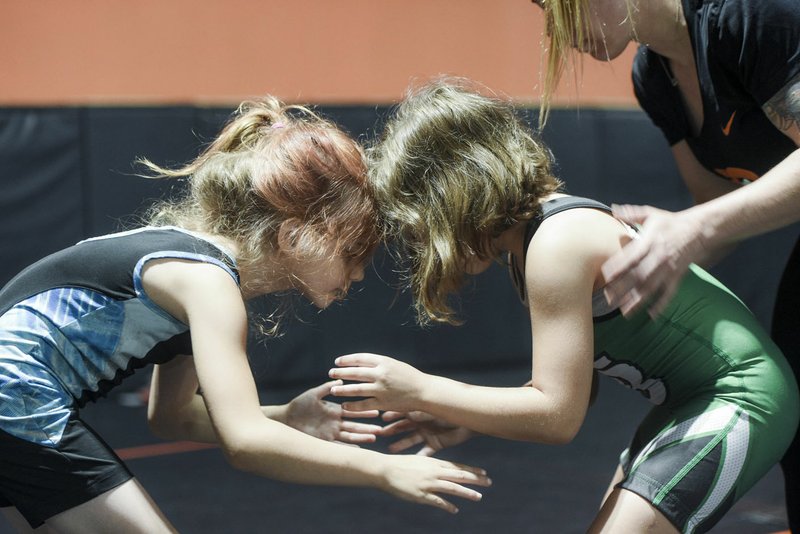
43 481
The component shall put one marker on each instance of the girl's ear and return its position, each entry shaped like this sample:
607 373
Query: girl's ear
290 234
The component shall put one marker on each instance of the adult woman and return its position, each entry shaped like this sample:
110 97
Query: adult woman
721 79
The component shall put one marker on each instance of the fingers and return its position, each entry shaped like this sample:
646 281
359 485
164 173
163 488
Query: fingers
354 390
429 478
416 416
632 278
624 276
466 474
398 427
450 483
622 271
434 500
361 359
631 214
427 450
620 265
323 390
369 414
359 374
420 417
360 428
450 488
664 299
648 270
351 438
657 284
457 490
406 443
629 303
361 405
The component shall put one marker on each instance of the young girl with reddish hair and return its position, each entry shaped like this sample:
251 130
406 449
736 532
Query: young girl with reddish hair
277 202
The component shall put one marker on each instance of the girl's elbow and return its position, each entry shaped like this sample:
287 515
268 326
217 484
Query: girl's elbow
161 425
239 454
564 434
170 425
565 421
570 426
237 458
557 431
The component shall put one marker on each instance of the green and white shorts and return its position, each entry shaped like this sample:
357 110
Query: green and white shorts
695 462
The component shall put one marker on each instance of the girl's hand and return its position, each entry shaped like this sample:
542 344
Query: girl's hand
420 479
390 384
435 434
310 413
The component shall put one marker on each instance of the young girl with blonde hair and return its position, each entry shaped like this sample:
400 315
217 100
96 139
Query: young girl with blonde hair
277 202
461 183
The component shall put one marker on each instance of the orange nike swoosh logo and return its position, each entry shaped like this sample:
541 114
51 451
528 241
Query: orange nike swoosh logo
727 129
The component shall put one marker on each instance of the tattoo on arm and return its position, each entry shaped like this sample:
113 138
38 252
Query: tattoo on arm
783 109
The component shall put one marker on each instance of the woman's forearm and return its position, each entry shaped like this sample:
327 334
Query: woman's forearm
769 203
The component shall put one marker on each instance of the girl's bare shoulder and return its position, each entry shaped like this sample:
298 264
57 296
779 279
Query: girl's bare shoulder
569 248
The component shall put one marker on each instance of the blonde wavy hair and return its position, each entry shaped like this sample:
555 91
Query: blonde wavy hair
273 163
453 170
566 22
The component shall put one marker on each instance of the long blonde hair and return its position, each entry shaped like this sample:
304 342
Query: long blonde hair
453 170
567 22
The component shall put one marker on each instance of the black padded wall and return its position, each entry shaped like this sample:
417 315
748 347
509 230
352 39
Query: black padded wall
68 173
42 206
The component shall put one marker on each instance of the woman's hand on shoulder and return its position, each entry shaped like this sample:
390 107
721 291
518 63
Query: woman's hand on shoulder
648 270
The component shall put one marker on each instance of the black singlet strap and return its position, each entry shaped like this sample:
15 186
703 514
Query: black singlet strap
557 205
547 209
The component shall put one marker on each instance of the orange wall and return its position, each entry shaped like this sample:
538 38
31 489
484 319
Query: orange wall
320 51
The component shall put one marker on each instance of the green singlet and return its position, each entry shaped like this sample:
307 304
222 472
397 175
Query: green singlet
726 403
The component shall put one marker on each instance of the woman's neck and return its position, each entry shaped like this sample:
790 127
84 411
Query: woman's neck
661 26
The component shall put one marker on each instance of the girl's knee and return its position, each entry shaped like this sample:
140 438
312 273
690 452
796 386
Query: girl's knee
625 511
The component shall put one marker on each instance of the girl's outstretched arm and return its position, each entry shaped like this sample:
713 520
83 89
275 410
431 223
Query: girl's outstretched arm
523 413
206 297
562 269
183 415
